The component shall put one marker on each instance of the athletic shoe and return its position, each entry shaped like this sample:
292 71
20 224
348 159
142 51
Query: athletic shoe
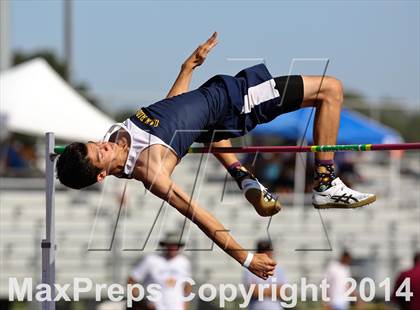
264 202
340 196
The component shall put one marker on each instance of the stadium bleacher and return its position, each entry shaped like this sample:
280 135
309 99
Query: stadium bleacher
383 235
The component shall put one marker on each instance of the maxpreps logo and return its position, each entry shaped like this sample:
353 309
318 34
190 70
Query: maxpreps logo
142 117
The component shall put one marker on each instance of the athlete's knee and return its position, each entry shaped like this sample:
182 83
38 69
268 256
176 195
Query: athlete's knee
333 90
331 93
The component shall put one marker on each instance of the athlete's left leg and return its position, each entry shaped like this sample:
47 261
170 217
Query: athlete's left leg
226 159
326 94
264 202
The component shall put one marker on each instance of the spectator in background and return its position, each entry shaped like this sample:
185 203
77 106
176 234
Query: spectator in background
286 179
166 270
18 158
13 164
271 169
336 274
265 246
414 275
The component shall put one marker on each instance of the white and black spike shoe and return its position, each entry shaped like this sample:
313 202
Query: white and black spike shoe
264 202
340 196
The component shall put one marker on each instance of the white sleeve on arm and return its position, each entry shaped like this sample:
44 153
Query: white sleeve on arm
188 272
280 275
328 271
139 272
330 274
248 277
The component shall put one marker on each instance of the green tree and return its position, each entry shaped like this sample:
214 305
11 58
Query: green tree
122 115
389 113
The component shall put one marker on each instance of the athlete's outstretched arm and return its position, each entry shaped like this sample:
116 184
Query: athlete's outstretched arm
182 82
261 265
160 184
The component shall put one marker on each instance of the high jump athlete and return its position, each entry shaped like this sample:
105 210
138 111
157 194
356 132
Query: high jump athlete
148 145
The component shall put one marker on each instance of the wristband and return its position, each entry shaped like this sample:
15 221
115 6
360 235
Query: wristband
248 260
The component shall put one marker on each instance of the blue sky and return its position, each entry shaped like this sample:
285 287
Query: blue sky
129 52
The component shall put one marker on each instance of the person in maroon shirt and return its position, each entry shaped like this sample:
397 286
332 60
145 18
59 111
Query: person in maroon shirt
414 275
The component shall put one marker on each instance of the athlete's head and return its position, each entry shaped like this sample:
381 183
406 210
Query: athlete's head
81 165
346 258
416 258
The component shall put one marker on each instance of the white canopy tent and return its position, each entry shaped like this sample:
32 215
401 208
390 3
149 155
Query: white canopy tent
34 99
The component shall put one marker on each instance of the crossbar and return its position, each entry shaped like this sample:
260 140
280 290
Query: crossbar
295 149
308 149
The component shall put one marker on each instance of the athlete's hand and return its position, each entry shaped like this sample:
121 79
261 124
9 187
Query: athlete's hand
262 266
200 54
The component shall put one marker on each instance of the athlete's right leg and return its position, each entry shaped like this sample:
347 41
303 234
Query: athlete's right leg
325 93
226 159
264 202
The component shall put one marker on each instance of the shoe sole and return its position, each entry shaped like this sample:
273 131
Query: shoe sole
350 206
255 197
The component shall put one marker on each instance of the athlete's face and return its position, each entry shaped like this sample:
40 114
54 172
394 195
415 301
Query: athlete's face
172 250
102 155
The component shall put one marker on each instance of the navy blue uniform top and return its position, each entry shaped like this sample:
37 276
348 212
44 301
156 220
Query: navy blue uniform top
212 112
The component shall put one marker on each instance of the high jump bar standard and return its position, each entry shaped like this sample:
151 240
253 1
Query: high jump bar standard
48 246
295 149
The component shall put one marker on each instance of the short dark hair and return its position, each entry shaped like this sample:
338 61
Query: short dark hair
346 253
74 168
416 258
